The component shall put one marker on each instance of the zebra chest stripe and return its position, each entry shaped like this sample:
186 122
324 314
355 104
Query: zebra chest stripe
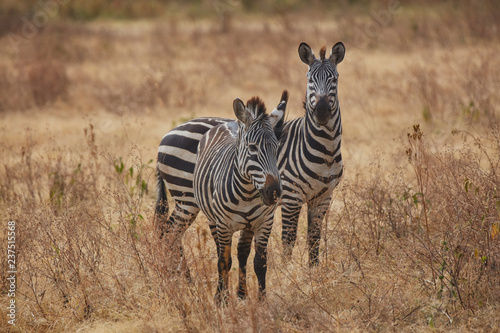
311 174
321 134
313 158
311 140
315 131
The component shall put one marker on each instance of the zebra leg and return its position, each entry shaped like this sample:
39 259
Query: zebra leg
173 229
260 260
290 218
223 266
244 246
161 209
315 214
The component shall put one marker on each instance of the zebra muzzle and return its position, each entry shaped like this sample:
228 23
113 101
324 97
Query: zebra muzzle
322 111
271 192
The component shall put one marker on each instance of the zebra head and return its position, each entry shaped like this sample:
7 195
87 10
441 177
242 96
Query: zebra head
321 97
257 146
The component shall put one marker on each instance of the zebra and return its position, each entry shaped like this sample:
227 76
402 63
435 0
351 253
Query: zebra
309 157
237 184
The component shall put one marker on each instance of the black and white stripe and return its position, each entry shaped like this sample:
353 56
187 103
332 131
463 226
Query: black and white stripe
237 185
309 160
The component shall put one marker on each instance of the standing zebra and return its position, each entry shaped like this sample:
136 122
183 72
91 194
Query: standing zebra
309 158
237 184
176 162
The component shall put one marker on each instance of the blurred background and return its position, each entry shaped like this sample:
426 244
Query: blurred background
144 55
406 62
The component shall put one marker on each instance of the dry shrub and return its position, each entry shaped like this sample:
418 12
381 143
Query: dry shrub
76 238
462 89
433 232
38 76
406 25
32 85
156 88
48 82
9 22
482 18
14 92
430 93
413 248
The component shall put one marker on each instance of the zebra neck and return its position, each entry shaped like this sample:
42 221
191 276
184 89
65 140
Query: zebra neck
236 181
326 140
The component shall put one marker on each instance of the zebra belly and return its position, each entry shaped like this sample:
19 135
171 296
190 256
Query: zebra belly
236 221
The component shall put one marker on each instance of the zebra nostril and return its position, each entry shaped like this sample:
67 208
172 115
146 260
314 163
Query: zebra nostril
273 192
322 111
272 189
276 193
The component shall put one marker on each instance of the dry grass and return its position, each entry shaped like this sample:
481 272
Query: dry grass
411 240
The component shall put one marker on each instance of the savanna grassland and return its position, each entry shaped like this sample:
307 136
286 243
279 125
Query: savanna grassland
411 242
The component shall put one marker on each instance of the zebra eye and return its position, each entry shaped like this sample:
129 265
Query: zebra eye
253 148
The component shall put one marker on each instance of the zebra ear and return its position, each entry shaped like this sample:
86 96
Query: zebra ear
277 117
306 54
338 52
240 111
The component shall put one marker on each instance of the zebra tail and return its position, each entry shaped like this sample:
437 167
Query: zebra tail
162 201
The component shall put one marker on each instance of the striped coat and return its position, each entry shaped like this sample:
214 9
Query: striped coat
237 184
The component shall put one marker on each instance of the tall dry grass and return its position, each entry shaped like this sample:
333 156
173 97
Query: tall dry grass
407 249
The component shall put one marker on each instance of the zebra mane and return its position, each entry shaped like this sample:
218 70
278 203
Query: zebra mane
322 53
257 106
